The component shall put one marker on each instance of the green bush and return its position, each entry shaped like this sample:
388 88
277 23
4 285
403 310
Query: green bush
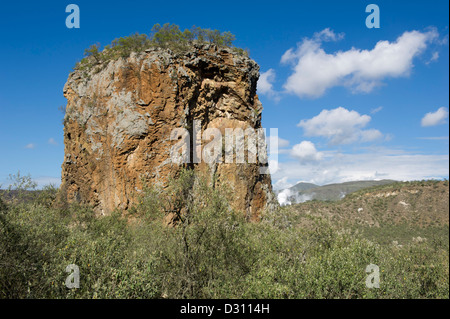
2 205
168 36
208 251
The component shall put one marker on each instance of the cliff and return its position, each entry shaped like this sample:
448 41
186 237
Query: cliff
120 117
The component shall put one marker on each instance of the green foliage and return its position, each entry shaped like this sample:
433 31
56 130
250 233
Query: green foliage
93 51
47 196
21 183
168 36
123 47
2 205
403 233
20 187
209 251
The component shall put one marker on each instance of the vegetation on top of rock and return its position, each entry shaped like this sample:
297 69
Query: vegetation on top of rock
168 36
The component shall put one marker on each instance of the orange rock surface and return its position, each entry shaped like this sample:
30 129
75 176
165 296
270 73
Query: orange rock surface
119 119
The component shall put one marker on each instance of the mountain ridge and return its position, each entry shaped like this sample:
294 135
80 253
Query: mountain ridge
302 192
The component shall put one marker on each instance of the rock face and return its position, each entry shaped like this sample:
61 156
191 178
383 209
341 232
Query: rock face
120 117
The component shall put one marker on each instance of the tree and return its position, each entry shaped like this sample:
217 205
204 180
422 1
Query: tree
168 36
123 47
93 51
21 183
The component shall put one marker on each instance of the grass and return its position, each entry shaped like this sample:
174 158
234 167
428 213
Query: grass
211 252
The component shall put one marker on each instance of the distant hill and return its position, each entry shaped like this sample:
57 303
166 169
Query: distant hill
303 186
302 192
397 211
20 196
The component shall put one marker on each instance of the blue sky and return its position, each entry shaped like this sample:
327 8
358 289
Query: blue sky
349 102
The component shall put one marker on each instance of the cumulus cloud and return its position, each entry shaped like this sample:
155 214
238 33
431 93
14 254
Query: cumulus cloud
340 126
372 165
52 141
306 152
282 183
265 84
315 71
435 118
30 146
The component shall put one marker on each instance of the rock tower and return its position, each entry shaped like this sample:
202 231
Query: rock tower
119 119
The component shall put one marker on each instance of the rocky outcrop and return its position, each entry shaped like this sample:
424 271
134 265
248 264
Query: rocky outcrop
120 116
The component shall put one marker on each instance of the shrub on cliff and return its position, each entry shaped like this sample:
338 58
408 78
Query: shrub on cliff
123 47
168 36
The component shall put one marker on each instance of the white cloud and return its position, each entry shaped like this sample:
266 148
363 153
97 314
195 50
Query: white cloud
282 183
375 164
315 71
306 152
52 141
435 118
340 126
30 146
370 135
265 84
434 57
328 35
274 166
376 110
